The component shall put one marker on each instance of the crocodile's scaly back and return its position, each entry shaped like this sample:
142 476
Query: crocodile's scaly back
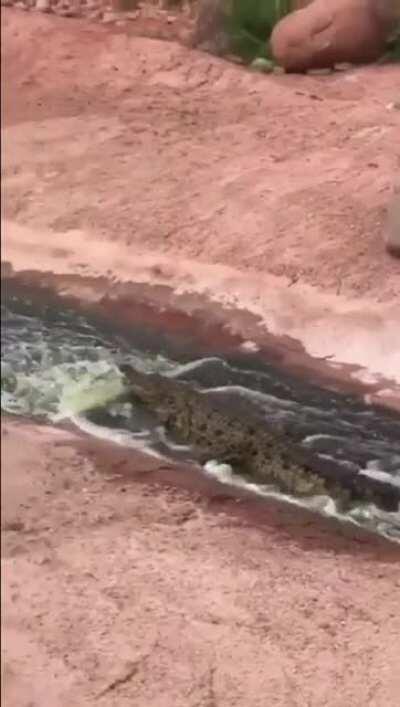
254 448
193 417
216 433
163 396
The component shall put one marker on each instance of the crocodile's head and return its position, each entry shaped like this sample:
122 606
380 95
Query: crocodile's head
152 390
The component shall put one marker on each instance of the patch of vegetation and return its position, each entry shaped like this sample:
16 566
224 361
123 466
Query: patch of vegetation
249 24
393 52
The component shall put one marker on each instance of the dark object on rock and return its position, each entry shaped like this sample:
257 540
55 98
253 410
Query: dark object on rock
326 33
210 34
392 229
124 5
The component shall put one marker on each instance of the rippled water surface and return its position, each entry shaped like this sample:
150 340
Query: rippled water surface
59 366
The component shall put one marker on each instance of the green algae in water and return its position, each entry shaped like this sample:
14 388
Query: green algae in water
92 391
61 390
58 369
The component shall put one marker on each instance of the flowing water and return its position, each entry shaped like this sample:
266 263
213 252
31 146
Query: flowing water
60 366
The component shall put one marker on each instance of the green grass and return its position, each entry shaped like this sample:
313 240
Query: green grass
392 53
394 50
250 23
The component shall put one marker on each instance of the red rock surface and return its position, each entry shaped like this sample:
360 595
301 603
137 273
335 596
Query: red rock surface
120 590
327 33
270 174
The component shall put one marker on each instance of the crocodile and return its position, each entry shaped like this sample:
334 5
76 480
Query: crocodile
264 453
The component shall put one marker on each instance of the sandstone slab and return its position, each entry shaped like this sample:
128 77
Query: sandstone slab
323 34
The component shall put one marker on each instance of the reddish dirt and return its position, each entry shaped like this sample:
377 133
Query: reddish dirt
116 594
279 174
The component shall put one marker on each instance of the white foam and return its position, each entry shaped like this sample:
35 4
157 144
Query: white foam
138 441
225 474
361 516
316 438
252 394
249 346
381 476
192 366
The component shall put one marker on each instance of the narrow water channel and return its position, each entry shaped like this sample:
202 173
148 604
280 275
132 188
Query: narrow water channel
57 365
